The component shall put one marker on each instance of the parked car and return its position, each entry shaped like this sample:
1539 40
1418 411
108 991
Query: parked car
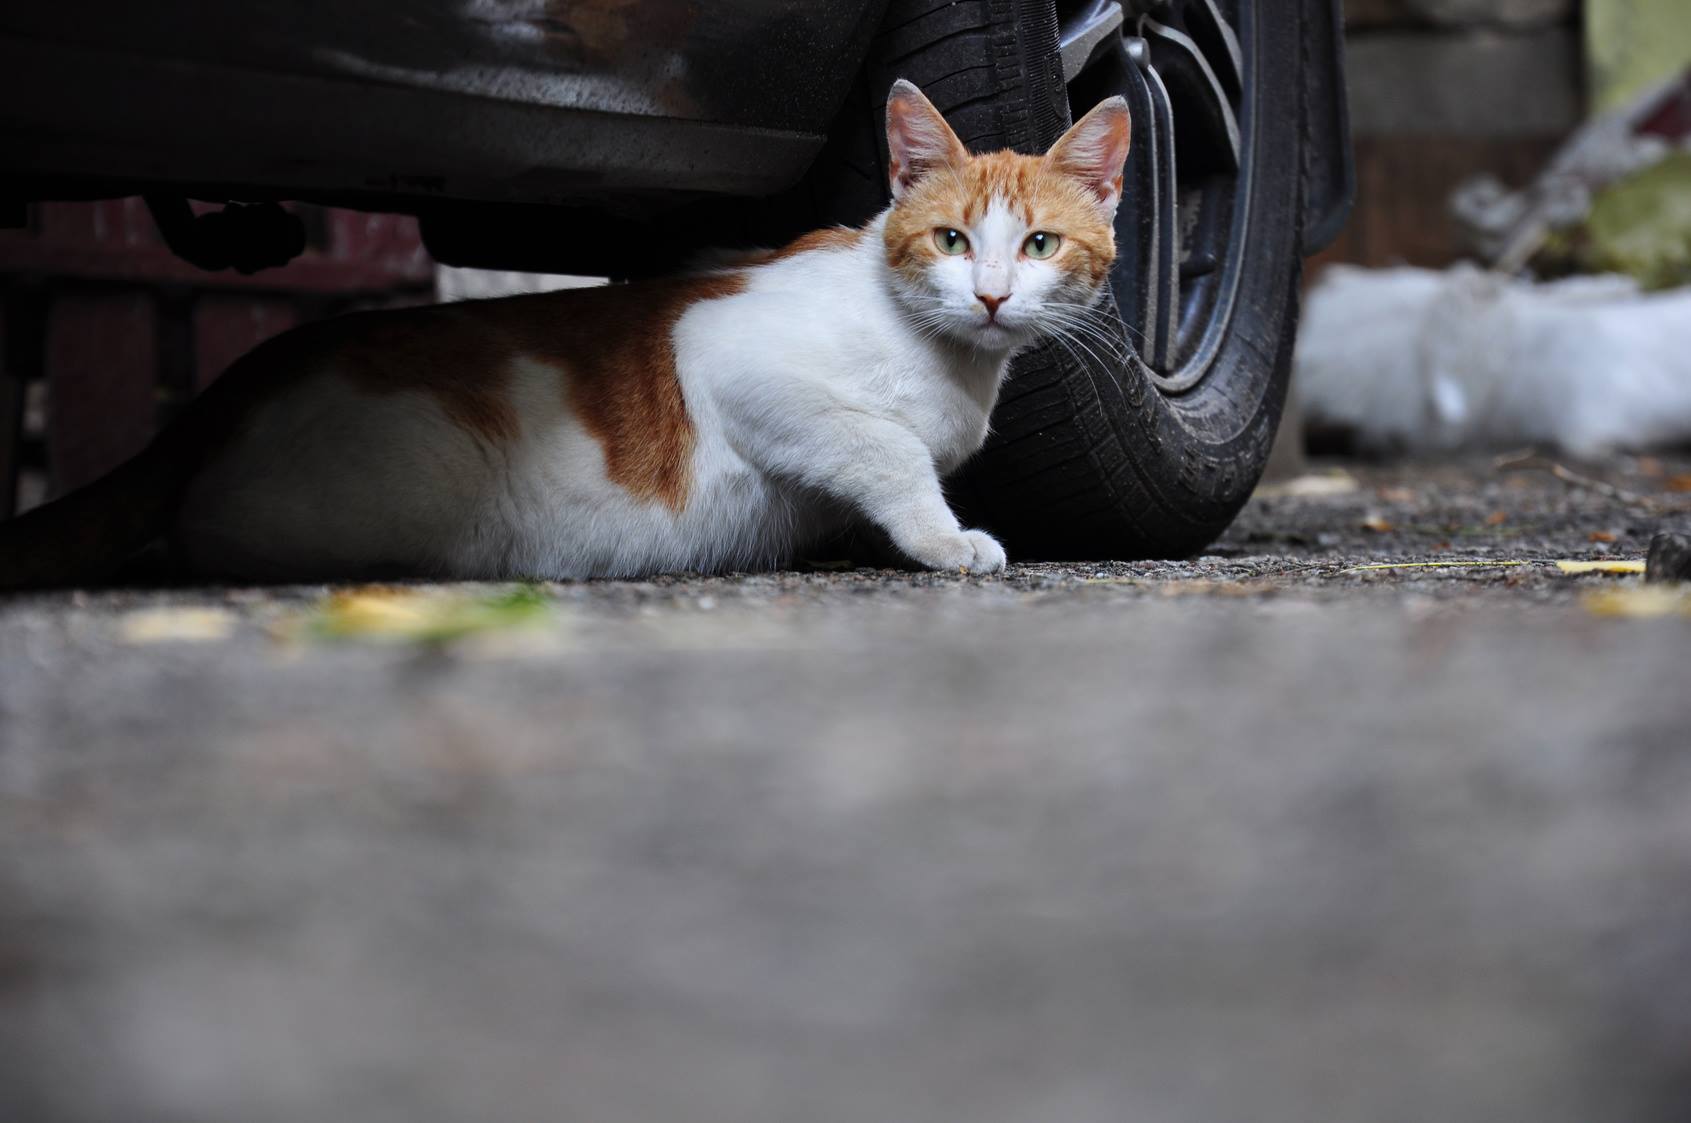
618 137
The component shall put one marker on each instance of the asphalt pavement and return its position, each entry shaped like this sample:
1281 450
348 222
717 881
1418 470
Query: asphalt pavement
1378 811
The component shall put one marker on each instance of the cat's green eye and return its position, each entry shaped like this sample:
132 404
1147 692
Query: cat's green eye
951 242
1041 244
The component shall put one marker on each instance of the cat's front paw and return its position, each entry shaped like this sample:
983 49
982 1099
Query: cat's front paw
973 550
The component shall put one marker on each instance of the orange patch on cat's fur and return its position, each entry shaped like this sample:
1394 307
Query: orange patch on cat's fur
616 348
1035 191
828 238
440 352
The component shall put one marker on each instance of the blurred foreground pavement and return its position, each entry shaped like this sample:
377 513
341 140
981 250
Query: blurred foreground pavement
1265 837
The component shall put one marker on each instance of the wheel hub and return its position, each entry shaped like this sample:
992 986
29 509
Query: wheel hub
1183 67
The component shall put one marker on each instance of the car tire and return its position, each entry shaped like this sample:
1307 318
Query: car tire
1097 457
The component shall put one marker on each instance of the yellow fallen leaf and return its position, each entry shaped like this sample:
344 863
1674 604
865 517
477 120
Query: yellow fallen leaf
1633 565
384 611
428 616
1639 601
177 625
1435 565
1309 487
1215 588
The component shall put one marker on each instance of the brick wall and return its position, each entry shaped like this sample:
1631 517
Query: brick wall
1441 90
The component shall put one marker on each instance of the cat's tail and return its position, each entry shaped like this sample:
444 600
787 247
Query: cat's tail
88 535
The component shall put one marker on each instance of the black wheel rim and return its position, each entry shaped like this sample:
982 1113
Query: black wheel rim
1186 70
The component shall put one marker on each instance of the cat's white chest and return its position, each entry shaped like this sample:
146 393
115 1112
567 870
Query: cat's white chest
948 407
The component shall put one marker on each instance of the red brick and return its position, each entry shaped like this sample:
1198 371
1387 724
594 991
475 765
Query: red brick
11 425
227 327
102 396
1403 186
115 240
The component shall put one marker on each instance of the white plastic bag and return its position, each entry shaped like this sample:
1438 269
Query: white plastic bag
1426 360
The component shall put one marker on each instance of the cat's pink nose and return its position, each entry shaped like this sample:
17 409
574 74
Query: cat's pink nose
991 302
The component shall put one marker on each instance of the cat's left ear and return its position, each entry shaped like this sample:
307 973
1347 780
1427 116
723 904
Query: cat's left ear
918 139
1094 151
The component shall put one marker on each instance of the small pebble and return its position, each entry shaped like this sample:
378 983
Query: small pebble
1669 559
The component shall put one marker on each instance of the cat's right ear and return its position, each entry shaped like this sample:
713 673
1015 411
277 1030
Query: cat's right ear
1094 151
918 139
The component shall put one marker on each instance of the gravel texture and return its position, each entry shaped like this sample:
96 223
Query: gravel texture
1265 836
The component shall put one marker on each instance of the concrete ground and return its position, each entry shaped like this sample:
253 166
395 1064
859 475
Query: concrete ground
1269 835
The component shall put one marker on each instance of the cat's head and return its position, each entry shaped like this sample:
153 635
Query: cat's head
1000 249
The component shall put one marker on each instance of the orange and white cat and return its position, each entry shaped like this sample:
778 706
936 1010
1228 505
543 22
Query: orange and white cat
719 420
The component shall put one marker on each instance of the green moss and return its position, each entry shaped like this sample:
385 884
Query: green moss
1639 225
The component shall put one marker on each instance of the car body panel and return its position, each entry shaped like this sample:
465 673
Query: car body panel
1329 186
515 128
538 101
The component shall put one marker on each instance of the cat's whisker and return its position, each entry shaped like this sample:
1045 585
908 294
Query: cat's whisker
1080 362
1095 314
1117 345
1068 337
1111 344
1088 325
1102 316
1079 342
